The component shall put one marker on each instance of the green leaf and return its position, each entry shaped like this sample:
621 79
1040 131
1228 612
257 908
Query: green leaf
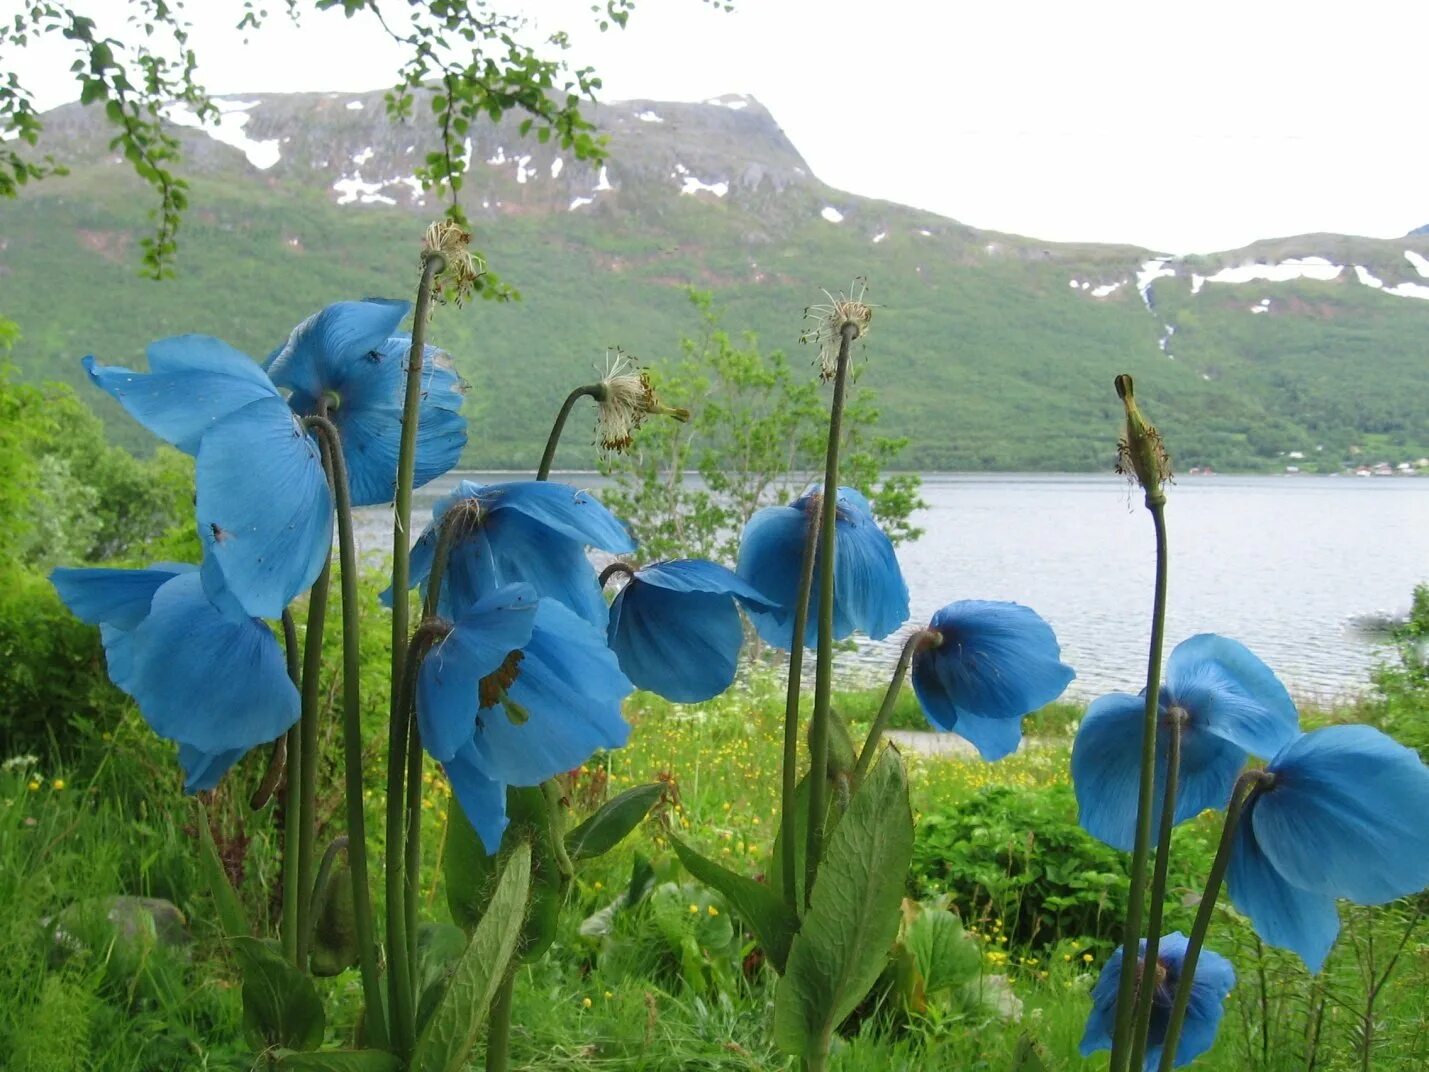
450 1034
615 819
1028 1056
340 1061
772 921
439 946
281 1007
231 919
845 939
942 953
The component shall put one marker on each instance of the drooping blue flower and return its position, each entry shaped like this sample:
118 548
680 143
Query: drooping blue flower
996 663
869 592
675 628
1214 979
264 509
1229 704
1343 817
531 531
519 691
349 358
216 685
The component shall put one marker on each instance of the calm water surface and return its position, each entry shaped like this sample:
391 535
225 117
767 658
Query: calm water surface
1288 565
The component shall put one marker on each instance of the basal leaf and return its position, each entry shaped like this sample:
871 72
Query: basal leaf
281 1007
772 921
231 919
615 819
340 1061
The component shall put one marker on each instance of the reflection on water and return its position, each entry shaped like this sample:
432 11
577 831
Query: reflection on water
1291 566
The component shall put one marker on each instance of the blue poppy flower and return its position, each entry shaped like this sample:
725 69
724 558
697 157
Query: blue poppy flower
1229 704
996 663
264 509
531 531
349 358
1343 817
675 628
519 691
869 592
215 685
1214 979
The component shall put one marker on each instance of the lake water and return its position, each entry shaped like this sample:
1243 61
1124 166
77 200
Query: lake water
1287 565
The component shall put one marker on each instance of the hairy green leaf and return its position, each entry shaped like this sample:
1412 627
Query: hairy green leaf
610 825
281 1007
772 921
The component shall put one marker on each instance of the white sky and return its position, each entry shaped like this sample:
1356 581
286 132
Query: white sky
1180 125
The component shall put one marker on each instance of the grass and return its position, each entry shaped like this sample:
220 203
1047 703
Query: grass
116 823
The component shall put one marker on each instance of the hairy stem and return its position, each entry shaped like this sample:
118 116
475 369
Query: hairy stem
498 1029
548 456
920 639
789 824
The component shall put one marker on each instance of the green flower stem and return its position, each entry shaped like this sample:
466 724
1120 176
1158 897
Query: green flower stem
352 733
548 456
1247 787
922 638
788 820
307 761
412 857
824 669
322 882
1156 906
292 821
1126 991
399 978
498 1029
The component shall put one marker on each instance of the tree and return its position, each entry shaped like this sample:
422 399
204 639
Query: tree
756 437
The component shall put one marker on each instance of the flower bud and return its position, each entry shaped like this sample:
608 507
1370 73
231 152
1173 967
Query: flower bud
1140 454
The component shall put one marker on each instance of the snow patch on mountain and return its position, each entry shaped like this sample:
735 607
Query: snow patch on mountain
262 154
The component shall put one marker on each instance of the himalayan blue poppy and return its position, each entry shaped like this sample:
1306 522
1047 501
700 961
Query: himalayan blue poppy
1343 817
995 663
216 685
869 592
1214 979
264 509
520 690
1228 703
531 531
675 628
349 358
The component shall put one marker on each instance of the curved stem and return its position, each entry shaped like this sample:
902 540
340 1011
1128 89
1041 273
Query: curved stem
614 568
824 670
789 817
1125 995
498 1030
1156 904
548 456
323 881
446 536
352 732
911 646
1247 787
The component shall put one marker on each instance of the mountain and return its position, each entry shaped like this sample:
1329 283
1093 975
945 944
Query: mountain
988 350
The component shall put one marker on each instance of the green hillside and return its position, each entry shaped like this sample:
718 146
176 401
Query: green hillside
981 351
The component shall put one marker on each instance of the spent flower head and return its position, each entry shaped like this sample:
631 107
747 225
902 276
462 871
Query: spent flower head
626 397
829 322
1140 454
462 269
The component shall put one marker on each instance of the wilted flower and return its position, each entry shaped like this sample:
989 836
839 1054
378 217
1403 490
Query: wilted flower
625 397
534 531
830 320
518 691
1343 816
216 685
461 268
1214 979
1226 702
347 361
995 663
675 628
869 592
264 509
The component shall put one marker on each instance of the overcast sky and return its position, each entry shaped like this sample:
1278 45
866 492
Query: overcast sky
1180 126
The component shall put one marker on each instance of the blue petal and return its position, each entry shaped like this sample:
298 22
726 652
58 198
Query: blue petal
996 661
194 381
870 594
1346 815
1101 1022
573 513
994 738
697 575
482 800
264 509
447 693
1232 693
1283 915
683 645
1215 978
113 597
322 347
204 770
511 547
204 680
769 558
568 696
1106 770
